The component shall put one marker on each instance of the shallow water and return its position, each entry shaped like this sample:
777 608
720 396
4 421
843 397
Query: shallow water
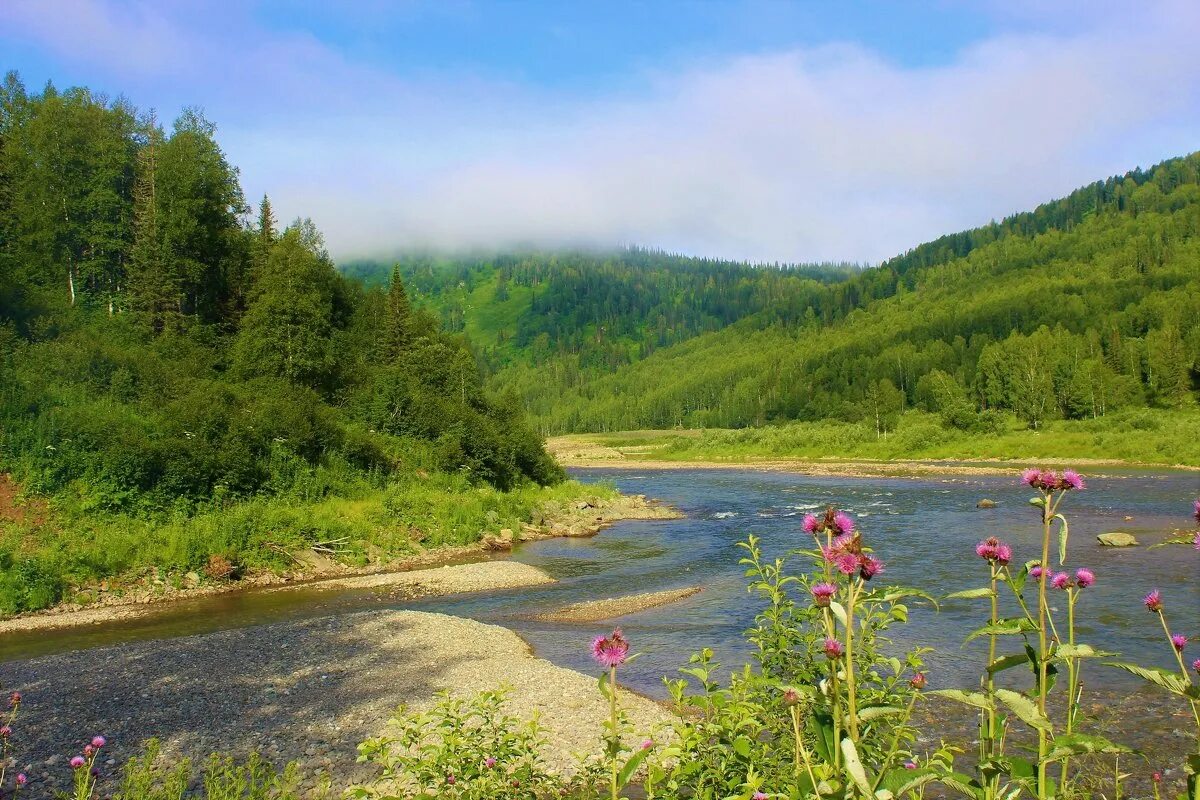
924 529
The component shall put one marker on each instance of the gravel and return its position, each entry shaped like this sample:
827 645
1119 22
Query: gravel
307 691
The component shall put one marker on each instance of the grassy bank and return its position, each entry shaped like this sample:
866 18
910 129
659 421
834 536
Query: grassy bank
62 549
1142 436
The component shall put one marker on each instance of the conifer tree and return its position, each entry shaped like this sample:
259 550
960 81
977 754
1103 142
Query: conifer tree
398 324
154 293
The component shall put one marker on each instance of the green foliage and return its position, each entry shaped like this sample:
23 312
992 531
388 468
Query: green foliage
151 776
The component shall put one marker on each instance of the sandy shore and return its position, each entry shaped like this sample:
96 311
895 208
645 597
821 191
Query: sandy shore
307 691
596 610
408 575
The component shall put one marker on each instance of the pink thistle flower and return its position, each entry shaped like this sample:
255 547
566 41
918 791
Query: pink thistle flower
1048 479
843 523
1179 641
610 651
1061 580
1072 480
791 697
649 743
1196 509
22 779
846 563
1156 777
1196 665
759 796
1084 577
1030 477
810 523
917 681
5 731
987 548
98 742
77 762
88 750
1035 571
1153 601
910 765
489 762
14 699
823 593
833 649
869 567
1003 554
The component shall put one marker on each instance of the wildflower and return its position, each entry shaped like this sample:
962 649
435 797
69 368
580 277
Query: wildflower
1196 665
1196 509
810 523
646 745
5 731
791 697
910 765
822 594
1003 554
759 796
1156 777
1048 479
88 750
869 567
489 762
1084 577
1030 477
14 700
98 742
1072 480
833 649
1179 641
843 523
22 779
77 762
610 651
917 681
1035 571
1153 601
1061 580
992 549
450 779
846 563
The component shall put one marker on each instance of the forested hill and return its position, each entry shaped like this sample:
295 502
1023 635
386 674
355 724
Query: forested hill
1087 305
602 309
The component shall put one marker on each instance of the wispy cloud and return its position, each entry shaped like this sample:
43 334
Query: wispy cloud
828 152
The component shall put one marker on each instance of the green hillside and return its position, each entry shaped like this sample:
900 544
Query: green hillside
1086 306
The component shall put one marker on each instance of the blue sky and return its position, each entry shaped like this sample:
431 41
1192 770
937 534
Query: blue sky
760 130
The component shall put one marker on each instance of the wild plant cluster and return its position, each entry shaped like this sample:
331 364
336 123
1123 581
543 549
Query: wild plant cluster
827 710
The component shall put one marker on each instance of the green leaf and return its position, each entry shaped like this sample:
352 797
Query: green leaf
899 781
1077 744
854 767
964 784
1024 708
1007 662
742 746
1062 539
839 611
631 766
1160 677
823 725
1004 627
969 594
976 699
1081 651
874 712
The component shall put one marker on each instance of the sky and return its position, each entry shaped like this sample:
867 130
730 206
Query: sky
764 131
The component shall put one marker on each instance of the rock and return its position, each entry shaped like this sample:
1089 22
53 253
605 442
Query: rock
1117 539
192 579
1128 518
986 503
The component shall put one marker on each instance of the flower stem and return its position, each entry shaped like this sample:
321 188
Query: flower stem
851 694
1043 657
614 732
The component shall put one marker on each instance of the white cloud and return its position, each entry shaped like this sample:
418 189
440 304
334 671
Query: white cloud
819 153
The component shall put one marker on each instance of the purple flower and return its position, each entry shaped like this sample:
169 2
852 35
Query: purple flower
790 696
98 742
1030 477
77 762
489 762
1196 509
1061 580
759 796
646 745
21 779
1035 571
869 567
833 649
846 563
810 523
992 549
1003 554
450 779
1179 641
14 700
5 731
917 681
1153 601
910 765
822 594
1196 665
1072 480
1048 479
843 523
610 651
1084 577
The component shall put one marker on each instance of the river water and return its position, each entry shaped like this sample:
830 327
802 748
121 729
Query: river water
924 529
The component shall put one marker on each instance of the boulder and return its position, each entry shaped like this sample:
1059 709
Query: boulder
986 503
1117 539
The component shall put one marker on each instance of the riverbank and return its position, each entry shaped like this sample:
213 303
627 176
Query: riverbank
407 576
659 450
308 691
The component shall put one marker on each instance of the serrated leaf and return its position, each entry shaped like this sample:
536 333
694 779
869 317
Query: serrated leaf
969 594
1075 744
1081 651
976 699
1007 662
1160 677
964 784
901 781
854 767
1024 708
1004 627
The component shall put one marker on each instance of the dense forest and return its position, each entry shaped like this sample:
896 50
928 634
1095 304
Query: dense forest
167 357
1087 305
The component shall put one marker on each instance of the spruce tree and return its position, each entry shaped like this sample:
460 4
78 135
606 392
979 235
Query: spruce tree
154 293
398 324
